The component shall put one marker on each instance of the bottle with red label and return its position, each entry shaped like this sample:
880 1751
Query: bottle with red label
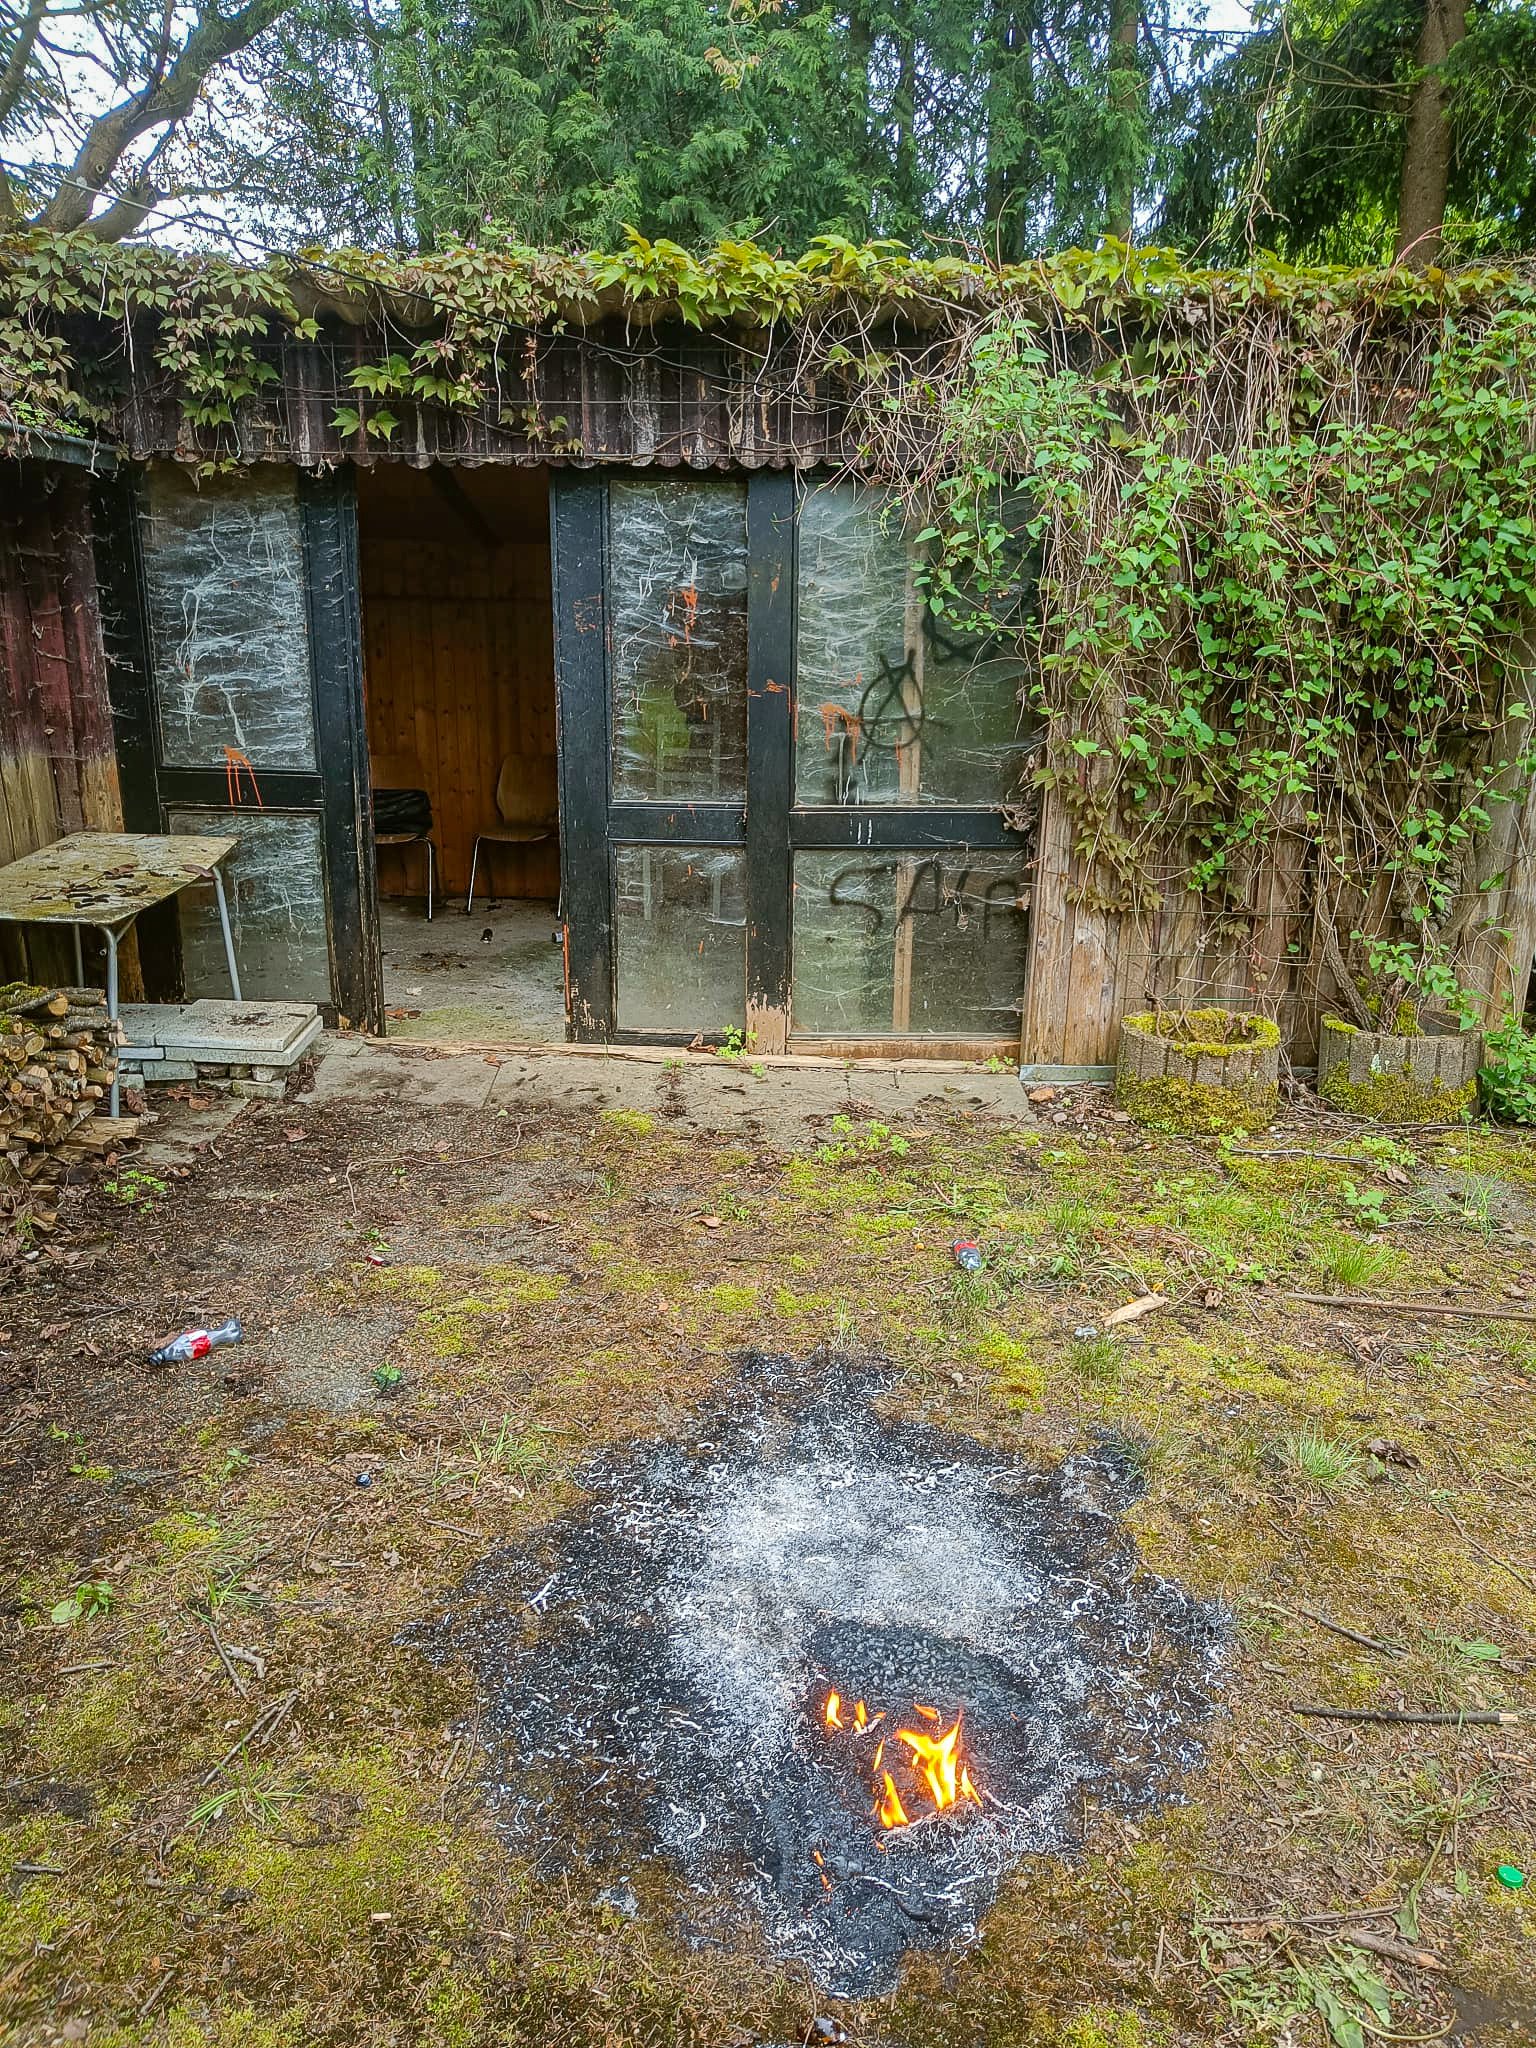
197 1343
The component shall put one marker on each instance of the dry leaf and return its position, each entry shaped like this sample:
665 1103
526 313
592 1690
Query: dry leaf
540 1216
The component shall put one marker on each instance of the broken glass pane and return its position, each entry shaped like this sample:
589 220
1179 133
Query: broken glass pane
892 706
894 942
677 583
681 938
228 627
275 880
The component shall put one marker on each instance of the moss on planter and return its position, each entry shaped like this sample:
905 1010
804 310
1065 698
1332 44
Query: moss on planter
1199 1071
1197 1032
1398 1098
1411 1078
1167 1102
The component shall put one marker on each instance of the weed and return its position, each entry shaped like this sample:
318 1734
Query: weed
854 1143
1389 1152
1478 1193
387 1377
90 1598
965 1299
1097 1360
514 1453
1349 1263
1368 1206
134 1189
251 1792
736 1044
1328 1464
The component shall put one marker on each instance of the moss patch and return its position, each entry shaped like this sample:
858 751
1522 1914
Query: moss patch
1167 1102
1397 1098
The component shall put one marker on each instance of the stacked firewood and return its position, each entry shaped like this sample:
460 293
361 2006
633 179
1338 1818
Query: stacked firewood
58 1054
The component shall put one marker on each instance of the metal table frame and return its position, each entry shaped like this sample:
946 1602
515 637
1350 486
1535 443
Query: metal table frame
168 863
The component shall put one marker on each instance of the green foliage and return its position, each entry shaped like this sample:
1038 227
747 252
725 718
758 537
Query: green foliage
91 1597
1271 605
1509 1075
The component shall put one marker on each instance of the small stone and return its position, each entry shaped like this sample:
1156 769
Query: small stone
1042 1094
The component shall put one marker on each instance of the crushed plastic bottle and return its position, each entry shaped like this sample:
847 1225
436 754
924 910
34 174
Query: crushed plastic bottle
967 1256
197 1343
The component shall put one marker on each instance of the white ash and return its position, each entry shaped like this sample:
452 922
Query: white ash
655 1665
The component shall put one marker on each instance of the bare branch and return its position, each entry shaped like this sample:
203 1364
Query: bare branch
163 102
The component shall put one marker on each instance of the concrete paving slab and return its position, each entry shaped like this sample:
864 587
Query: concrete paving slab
712 1093
371 1070
266 1034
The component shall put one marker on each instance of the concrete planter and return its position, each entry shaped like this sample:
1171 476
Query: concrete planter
1397 1078
1199 1071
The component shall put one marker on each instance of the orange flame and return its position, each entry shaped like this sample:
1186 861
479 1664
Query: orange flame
937 1760
934 1760
890 1812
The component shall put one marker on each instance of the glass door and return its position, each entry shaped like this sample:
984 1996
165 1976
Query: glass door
783 785
237 696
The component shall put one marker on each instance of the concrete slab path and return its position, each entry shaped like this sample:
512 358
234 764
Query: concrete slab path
701 1088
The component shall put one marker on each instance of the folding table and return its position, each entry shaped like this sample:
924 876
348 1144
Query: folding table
105 879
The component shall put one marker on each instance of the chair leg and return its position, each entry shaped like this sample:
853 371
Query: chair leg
431 875
474 862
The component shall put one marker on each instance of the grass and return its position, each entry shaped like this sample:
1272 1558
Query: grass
1323 1461
339 1878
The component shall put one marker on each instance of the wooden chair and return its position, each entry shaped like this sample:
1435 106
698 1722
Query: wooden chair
403 771
522 809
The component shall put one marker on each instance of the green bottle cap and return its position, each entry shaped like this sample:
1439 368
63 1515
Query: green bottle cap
1515 1879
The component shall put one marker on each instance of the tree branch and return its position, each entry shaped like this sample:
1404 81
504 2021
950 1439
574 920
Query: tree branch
164 102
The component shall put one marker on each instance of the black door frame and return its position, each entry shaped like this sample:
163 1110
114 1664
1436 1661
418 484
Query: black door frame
337 789
770 825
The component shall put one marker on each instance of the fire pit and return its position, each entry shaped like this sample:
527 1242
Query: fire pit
840 1673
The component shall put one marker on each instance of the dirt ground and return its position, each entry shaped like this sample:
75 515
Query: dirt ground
235 1809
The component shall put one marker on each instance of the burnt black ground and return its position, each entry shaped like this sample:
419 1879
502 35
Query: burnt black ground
653 1666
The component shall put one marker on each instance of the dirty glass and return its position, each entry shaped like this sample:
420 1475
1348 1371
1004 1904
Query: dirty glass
681 938
896 942
892 706
677 579
228 627
275 881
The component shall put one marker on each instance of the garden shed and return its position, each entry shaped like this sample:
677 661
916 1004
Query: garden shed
608 561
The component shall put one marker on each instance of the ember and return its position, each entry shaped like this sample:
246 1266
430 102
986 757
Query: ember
854 1670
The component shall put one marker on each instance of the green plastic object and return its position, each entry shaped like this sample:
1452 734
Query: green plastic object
1508 1875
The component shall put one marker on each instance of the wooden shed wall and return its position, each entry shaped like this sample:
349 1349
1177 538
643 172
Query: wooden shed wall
458 661
58 768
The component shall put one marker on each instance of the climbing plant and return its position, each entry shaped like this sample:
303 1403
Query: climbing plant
1287 518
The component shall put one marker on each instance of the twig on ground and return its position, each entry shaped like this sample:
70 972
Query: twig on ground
265 1725
1482 1312
1458 1718
1337 1628
233 1675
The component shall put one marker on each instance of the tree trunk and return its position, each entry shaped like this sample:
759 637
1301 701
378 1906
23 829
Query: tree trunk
1009 103
1427 144
1125 92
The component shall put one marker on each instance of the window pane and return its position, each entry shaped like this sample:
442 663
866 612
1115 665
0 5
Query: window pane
228 627
891 705
894 942
681 939
677 582
275 881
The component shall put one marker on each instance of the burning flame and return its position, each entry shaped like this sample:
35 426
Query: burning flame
935 1760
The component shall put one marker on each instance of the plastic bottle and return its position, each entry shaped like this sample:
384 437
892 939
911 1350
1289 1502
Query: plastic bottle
197 1343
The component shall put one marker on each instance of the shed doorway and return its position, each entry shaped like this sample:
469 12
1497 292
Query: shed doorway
458 664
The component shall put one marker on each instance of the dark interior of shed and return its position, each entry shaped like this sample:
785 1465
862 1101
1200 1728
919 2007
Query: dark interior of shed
458 659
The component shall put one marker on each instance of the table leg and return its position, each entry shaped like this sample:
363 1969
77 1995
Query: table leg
111 938
229 943
79 959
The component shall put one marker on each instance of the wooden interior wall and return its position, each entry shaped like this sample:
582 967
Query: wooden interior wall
458 655
58 768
